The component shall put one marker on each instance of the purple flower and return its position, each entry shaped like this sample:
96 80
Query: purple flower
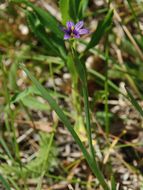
74 30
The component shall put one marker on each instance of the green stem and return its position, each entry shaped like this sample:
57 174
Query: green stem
87 114
16 147
135 16
74 76
99 175
81 70
106 91
86 104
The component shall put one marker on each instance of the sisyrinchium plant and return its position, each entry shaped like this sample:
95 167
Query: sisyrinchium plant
54 43
54 51
73 33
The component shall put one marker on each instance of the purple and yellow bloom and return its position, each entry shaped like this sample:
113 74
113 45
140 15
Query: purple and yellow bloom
74 30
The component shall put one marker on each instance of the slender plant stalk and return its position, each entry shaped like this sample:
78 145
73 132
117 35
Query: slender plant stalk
106 90
74 76
88 125
135 16
83 76
86 104
87 114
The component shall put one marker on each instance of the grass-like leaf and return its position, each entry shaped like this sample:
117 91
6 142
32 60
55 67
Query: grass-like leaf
4 182
73 11
44 93
82 8
134 102
113 183
64 8
34 103
102 79
101 29
54 45
46 18
5 147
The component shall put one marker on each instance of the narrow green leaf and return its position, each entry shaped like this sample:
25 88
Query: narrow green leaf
82 9
32 90
44 58
134 102
54 106
45 17
102 78
83 76
39 31
49 21
80 68
21 95
64 8
13 183
71 68
135 16
64 119
54 45
73 9
5 147
34 103
113 183
13 76
4 182
101 29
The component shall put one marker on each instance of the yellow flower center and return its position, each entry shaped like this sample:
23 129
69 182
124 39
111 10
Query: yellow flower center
72 28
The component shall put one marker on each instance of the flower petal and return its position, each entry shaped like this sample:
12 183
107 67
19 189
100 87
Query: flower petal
79 25
66 36
70 24
77 36
83 31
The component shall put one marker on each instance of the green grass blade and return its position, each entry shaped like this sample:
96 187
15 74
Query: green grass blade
44 93
54 106
103 78
134 102
39 31
21 95
54 44
4 182
73 11
113 183
46 18
64 8
82 9
134 15
5 147
34 103
32 90
81 70
101 29
13 183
